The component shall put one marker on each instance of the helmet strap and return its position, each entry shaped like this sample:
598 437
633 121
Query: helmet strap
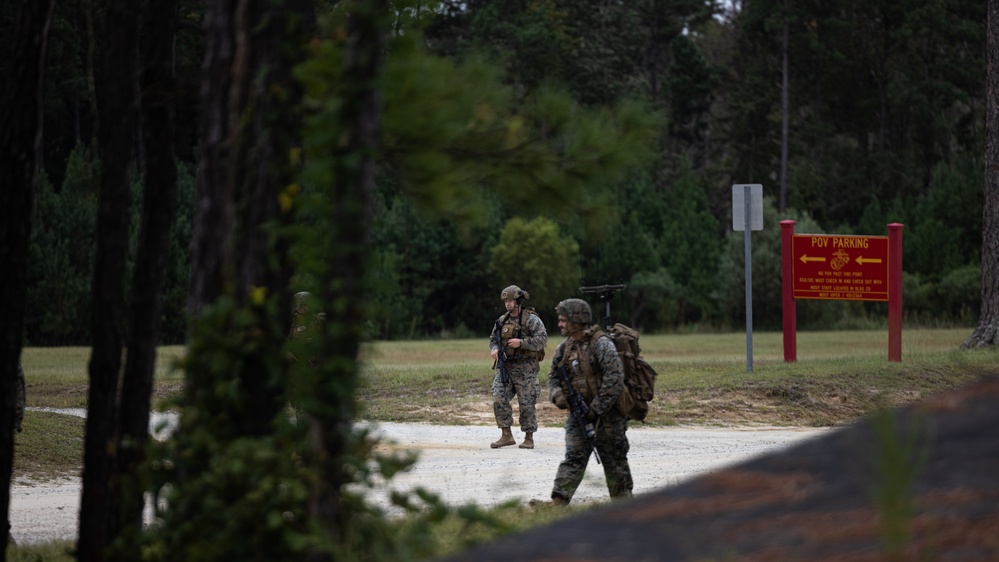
577 331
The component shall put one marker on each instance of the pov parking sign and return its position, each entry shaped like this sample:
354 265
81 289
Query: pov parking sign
840 267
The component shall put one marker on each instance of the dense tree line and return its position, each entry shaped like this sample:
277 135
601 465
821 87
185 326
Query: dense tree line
884 124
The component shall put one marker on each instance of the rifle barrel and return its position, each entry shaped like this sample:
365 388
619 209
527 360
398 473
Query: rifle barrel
578 410
602 289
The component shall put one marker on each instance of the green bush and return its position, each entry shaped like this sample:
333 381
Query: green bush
959 294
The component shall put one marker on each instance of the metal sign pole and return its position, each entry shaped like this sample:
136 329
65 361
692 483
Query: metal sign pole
747 209
749 282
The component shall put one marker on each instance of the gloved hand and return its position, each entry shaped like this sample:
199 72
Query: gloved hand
559 400
591 414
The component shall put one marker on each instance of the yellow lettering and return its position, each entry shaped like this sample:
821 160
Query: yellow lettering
850 243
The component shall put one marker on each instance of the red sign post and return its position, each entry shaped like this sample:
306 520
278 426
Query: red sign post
840 267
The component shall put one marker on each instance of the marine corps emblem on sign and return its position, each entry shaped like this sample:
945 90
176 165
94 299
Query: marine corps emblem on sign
840 258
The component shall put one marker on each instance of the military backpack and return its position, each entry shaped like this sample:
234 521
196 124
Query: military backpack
639 376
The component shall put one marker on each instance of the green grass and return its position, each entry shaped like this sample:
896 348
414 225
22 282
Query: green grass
703 379
56 377
55 551
455 533
50 446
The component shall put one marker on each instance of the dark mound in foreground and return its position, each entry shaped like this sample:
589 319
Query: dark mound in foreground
919 483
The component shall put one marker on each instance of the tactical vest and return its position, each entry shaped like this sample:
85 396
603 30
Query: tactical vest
517 328
578 363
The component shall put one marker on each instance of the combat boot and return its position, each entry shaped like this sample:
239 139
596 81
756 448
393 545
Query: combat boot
528 440
556 501
505 440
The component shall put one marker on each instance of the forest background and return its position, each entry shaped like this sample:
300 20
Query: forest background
852 115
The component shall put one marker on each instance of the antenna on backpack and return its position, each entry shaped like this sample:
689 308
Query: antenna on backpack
605 293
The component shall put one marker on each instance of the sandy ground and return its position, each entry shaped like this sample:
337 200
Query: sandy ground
457 463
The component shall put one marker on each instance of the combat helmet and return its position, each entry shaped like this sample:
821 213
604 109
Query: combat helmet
301 323
514 292
575 310
299 304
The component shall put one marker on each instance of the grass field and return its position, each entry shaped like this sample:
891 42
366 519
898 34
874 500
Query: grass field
703 379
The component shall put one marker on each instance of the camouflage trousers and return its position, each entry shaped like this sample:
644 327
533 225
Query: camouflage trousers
612 446
524 385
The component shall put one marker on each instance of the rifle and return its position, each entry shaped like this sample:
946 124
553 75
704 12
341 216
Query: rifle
578 409
605 293
501 357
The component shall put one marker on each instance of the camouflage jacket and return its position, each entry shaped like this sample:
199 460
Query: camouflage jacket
594 368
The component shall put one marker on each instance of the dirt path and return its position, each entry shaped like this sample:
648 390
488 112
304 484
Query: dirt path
457 463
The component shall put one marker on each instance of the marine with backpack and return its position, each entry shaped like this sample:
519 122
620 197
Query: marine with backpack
588 368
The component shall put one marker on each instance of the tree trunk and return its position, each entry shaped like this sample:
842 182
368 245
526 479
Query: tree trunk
351 201
20 128
245 133
88 12
116 103
987 332
785 111
250 119
159 205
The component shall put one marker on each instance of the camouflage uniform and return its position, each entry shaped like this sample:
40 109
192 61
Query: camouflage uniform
521 367
302 325
595 371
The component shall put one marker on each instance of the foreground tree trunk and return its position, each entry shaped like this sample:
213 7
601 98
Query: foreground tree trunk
20 128
987 332
353 173
249 130
239 306
159 203
116 103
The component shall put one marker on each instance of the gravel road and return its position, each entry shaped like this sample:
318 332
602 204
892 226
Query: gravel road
457 463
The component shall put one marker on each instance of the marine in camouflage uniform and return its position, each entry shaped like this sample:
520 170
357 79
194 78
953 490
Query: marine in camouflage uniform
523 336
594 368
304 326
